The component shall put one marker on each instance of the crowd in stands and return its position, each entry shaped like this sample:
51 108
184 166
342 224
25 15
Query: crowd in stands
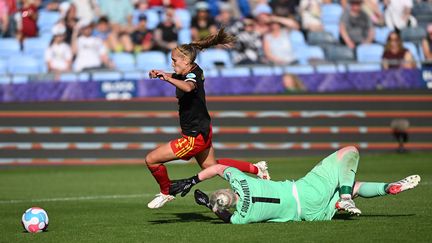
84 34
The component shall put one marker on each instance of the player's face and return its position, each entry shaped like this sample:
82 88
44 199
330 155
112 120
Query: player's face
180 63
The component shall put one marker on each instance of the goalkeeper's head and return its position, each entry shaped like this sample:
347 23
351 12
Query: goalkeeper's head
223 199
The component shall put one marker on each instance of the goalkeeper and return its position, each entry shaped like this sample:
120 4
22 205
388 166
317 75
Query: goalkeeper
328 188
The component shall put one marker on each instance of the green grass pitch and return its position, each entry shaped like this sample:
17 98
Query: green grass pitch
109 204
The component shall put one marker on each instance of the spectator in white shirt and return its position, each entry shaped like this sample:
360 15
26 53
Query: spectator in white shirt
91 53
398 14
58 56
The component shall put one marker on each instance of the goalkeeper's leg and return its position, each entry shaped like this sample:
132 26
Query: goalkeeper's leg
376 189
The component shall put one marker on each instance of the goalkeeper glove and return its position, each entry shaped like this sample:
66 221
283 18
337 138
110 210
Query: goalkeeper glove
183 185
202 199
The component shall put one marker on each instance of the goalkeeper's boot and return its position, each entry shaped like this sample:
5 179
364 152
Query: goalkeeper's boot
262 170
347 205
405 184
160 200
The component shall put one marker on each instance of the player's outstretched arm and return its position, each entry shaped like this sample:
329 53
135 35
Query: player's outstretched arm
183 186
202 199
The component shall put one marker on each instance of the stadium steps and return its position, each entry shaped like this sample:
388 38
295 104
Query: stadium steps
99 132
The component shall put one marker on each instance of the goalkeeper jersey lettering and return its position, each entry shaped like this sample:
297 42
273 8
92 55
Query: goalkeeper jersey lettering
261 200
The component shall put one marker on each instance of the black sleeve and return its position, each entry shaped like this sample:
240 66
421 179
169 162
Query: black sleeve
225 215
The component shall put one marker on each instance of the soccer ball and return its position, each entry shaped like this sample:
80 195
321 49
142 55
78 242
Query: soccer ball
222 199
35 220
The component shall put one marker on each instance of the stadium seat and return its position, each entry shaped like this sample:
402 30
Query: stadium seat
20 79
151 60
331 13
4 79
339 53
123 61
134 75
3 67
68 77
235 72
413 49
363 67
9 47
36 47
310 53
327 68
22 64
333 29
185 17
262 71
46 20
152 15
297 38
381 34
414 34
320 38
106 76
211 73
184 36
369 53
214 57
302 69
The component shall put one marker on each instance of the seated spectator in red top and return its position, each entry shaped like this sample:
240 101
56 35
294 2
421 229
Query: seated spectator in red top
166 34
395 55
29 16
142 37
166 3
203 24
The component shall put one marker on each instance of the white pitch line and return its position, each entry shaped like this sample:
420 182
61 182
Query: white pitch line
65 199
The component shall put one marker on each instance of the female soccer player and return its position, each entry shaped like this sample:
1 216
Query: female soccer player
195 120
329 187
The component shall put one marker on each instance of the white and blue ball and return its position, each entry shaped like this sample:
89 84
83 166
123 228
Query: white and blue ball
35 220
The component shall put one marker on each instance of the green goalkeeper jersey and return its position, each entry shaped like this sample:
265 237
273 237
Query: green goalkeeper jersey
261 200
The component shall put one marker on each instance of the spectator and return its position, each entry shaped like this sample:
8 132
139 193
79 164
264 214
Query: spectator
119 12
12 10
248 49
27 26
398 14
285 8
225 19
142 38
262 15
4 18
395 55
203 24
372 9
355 26
166 3
114 41
277 45
70 21
166 34
85 9
90 51
427 45
58 56
310 11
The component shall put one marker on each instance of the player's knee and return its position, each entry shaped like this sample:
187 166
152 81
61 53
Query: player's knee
150 159
348 150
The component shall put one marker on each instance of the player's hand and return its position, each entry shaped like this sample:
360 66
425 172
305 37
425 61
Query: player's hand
153 74
162 75
183 186
202 199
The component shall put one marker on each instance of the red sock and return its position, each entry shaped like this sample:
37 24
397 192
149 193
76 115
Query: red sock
160 173
241 165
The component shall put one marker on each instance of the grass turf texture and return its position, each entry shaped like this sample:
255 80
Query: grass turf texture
74 218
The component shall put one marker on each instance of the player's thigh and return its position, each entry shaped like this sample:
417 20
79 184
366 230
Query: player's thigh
206 158
160 155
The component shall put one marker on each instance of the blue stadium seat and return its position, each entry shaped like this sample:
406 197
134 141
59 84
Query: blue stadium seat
262 71
210 57
185 17
36 47
106 76
152 15
46 20
381 34
321 38
134 75
184 36
309 53
211 73
123 61
331 13
363 67
151 60
84 77
9 47
3 67
333 29
68 77
22 64
20 79
339 53
235 72
5 79
413 49
369 53
413 34
301 69
297 38
327 68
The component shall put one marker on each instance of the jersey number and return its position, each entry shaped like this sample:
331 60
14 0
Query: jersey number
265 200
